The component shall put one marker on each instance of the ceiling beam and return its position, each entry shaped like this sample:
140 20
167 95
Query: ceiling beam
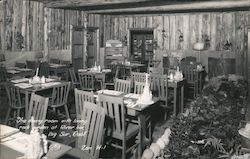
180 7
86 3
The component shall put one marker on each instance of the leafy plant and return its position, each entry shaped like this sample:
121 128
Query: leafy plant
216 143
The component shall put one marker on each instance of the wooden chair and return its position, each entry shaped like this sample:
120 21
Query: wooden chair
3 77
31 64
190 74
123 85
163 94
55 61
44 69
60 97
65 62
74 81
154 70
87 81
15 103
138 76
95 116
80 98
123 72
122 130
138 87
38 109
20 65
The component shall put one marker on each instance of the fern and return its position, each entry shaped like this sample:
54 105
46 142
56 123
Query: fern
215 143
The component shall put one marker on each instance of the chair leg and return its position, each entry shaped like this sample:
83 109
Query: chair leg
67 111
7 116
17 115
124 148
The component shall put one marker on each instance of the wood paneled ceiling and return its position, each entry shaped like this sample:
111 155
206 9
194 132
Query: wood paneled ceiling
147 6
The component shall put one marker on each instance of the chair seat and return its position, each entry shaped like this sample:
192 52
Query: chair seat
132 130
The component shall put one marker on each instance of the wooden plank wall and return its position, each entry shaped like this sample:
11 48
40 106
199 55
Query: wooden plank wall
24 19
219 28
22 28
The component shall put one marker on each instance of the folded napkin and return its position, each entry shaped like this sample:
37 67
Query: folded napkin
20 80
132 95
13 71
50 84
110 92
23 85
24 69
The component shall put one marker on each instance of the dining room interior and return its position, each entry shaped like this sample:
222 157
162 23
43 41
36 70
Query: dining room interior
129 79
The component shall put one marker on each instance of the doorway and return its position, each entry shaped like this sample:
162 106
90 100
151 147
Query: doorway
141 42
78 49
84 46
92 46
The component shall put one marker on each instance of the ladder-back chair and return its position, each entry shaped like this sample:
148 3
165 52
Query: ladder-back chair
74 81
122 130
60 97
38 109
15 103
123 85
190 74
87 81
80 97
44 69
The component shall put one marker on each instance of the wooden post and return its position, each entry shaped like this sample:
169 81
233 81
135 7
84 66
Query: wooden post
3 14
46 34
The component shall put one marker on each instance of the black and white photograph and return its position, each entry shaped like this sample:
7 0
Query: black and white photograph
124 79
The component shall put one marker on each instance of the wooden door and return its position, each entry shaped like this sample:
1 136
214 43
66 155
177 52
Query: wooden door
92 48
141 45
78 47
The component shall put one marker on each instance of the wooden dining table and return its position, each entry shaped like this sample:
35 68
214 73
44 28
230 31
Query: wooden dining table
22 72
28 88
59 69
13 145
99 75
134 109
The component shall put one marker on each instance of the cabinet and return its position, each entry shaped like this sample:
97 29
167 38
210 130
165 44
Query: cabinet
113 55
142 46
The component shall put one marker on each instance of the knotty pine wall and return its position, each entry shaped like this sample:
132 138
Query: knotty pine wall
22 28
178 32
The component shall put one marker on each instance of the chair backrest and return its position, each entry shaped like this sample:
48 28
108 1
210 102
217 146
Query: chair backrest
115 110
14 97
60 94
122 85
31 64
3 72
65 62
86 80
138 76
162 88
72 75
56 61
154 70
38 109
80 98
154 80
20 65
94 117
44 69
189 72
138 87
